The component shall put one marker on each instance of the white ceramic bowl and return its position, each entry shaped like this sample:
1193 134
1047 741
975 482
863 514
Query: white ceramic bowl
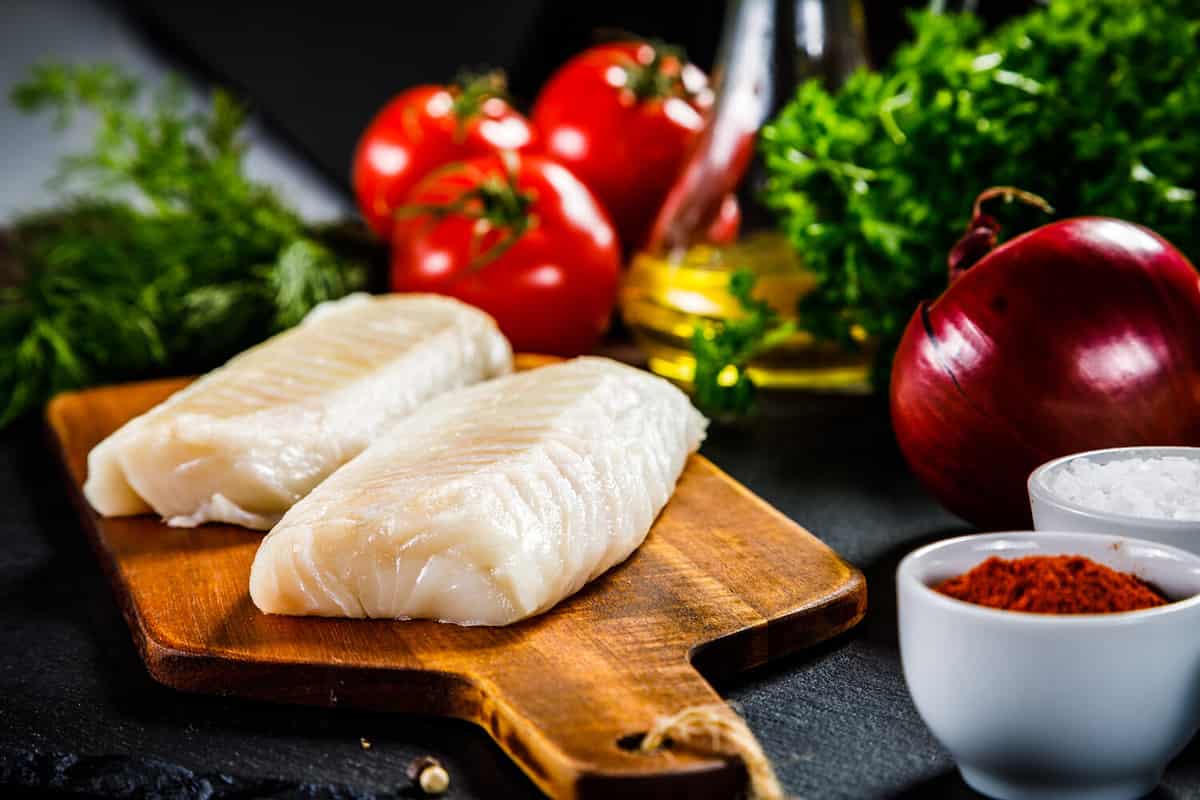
1052 513
1054 706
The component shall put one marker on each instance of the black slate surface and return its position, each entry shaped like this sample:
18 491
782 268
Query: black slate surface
79 713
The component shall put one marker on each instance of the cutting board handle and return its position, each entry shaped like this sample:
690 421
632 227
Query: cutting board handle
723 578
582 741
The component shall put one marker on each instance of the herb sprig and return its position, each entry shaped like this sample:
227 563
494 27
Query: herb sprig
722 385
1092 104
166 257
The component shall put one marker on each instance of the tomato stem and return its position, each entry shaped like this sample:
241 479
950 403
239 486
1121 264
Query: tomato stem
662 77
497 203
470 91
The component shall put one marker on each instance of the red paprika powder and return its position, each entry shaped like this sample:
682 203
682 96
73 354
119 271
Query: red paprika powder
1051 585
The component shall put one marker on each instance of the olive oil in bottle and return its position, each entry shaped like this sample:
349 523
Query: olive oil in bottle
681 281
665 298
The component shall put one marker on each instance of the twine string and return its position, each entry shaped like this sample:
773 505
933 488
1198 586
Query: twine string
717 730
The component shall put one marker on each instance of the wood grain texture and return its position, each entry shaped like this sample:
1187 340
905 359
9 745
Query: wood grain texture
724 582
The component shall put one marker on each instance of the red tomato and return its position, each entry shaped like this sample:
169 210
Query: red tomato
519 237
425 127
622 116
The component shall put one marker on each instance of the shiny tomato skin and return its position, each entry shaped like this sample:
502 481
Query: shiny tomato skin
628 151
552 291
418 131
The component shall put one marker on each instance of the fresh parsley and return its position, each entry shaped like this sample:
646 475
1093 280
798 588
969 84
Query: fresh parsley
1092 104
722 385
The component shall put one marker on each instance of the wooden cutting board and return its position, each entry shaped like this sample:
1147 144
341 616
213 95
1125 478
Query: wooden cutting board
723 583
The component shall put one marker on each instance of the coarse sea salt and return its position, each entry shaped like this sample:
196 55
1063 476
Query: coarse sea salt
1159 488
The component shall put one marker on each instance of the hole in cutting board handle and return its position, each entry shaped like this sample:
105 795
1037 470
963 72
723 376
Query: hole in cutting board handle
633 742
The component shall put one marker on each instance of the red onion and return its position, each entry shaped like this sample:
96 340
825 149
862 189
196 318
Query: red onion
1079 335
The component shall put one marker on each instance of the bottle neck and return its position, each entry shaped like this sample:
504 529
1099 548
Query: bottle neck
768 48
829 37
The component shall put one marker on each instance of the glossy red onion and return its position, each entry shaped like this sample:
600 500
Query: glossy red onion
1081 334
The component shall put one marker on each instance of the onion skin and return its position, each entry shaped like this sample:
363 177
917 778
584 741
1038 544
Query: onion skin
1081 334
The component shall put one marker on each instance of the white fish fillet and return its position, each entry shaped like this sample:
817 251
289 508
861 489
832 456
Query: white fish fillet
245 442
489 506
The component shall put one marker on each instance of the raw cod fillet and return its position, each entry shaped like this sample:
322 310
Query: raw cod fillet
246 441
489 506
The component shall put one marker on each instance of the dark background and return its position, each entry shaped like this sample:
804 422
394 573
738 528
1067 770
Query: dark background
318 71
78 712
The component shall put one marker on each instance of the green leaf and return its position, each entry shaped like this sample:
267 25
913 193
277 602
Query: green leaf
157 264
306 274
722 385
1093 104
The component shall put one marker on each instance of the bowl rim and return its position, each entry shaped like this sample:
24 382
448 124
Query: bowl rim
1036 487
906 574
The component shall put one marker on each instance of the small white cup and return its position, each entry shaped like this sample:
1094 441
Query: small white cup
1053 513
1072 707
